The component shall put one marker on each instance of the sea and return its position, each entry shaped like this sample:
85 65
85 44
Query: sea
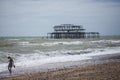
29 52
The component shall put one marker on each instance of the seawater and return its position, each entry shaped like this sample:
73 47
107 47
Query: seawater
34 51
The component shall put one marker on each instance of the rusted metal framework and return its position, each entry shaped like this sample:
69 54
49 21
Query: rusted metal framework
71 31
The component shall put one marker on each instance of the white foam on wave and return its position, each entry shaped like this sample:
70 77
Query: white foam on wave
106 41
49 44
23 43
62 43
26 43
37 59
32 63
13 39
3 67
78 42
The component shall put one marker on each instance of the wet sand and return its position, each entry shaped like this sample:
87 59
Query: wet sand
109 70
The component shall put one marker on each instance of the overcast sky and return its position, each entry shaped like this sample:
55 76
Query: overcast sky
37 17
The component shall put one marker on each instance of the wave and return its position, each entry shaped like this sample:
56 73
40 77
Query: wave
62 43
56 43
14 39
26 43
80 42
40 58
106 41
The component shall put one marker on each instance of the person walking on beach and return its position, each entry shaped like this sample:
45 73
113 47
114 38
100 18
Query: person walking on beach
11 64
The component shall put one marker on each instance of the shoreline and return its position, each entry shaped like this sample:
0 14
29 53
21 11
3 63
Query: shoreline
112 60
106 71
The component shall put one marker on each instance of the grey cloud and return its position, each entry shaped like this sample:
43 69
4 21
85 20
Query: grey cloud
38 16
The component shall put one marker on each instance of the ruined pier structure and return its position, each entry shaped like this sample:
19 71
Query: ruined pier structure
71 31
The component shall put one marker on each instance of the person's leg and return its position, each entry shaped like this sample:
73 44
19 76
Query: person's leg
9 68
